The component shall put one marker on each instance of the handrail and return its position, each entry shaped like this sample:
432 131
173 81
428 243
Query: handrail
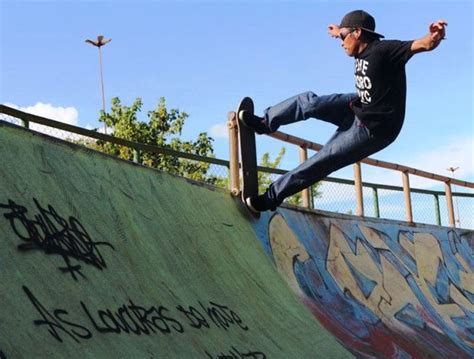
234 166
370 184
155 149
100 136
97 135
373 162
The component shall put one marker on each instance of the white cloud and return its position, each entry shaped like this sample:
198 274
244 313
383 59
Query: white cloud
219 130
67 115
62 114
458 153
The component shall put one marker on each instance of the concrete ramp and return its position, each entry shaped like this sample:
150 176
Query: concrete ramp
385 289
100 258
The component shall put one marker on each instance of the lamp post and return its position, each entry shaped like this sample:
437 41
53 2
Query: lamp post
452 170
99 43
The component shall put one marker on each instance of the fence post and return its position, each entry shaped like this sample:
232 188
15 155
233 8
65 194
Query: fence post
25 123
437 211
358 189
136 156
234 182
311 196
449 200
376 202
304 193
406 191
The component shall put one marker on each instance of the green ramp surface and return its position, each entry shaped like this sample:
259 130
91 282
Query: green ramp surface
101 258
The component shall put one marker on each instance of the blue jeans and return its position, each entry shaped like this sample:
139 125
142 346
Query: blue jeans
351 143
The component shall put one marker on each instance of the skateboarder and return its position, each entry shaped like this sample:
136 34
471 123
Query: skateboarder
367 121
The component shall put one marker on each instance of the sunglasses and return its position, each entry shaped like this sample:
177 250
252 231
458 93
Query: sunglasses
343 36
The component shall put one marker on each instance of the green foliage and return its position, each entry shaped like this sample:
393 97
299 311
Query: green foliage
264 178
163 129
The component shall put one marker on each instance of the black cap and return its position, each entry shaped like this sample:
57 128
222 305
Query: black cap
361 19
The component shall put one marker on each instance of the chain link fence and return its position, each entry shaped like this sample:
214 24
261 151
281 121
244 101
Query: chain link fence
332 194
381 201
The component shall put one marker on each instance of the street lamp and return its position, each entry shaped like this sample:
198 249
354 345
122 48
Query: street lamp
99 43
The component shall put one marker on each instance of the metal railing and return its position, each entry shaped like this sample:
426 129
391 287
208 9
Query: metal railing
352 196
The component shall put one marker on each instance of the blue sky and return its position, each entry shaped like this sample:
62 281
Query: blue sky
204 56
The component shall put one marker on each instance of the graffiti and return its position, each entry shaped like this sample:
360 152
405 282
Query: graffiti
132 319
387 291
56 321
2 355
220 315
55 235
234 353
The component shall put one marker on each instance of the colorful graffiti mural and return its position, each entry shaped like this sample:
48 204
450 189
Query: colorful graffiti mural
384 289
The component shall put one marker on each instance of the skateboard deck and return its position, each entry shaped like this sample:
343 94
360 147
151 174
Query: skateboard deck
248 152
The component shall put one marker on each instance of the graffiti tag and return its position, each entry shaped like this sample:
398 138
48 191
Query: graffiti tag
132 319
54 235
234 353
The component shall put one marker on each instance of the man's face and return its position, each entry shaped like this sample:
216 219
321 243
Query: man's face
350 40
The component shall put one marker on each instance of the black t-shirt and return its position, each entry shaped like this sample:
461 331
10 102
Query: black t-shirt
381 85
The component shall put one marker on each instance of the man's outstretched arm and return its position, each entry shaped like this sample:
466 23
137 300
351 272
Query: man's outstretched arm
437 32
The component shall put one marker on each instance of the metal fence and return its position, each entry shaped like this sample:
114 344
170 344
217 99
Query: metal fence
382 201
376 200
211 170
331 194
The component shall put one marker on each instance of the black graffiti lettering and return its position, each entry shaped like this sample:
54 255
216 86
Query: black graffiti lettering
134 319
234 353
109 321
159 322
55 235
94 323
195 318
238 321
131 324
219 315
76 329
143 318
118 320
223 316
55 322
174 323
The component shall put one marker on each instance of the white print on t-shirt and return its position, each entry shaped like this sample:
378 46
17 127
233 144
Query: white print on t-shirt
363 83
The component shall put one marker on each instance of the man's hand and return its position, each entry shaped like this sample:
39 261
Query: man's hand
438 30
333 30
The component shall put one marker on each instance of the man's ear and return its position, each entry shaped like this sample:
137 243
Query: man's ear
358 33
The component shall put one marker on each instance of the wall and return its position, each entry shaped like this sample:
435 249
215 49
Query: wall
383 288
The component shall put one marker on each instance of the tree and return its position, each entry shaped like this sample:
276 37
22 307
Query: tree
163 129
265 178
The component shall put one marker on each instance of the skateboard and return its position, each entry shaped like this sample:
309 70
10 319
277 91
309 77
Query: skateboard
248 152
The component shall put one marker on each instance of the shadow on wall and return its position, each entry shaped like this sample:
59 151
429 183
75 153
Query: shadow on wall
383 289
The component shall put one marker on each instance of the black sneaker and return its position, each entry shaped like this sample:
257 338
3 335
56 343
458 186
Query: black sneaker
258 204
254 122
